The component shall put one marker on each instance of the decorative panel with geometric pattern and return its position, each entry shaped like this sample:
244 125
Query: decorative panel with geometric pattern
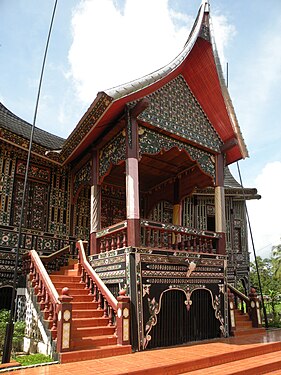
175 109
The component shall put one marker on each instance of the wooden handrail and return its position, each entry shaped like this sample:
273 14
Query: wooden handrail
173 228
44 275
112 229
94 276
49 258
236 292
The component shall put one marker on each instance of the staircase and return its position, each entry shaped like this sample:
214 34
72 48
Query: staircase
244 325
92 337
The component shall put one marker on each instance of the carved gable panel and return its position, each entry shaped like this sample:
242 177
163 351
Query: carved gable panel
175 109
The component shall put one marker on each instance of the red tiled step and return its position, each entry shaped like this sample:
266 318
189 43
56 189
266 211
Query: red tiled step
251 366
101 352
92 342
250 331
61 278
92 331
89 322
86 313
205 363
82 298
85 306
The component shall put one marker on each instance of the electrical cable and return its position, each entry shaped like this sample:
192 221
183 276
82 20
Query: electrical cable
10 325
253 246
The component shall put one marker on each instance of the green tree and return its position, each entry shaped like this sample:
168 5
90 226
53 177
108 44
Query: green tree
18 335
276 260
270 283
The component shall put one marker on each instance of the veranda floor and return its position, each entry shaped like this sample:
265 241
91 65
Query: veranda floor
236 355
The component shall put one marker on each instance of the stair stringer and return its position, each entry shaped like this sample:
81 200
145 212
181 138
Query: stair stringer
37 337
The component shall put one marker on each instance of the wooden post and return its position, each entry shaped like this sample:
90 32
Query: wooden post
132 173
95 205
220 204
132 181
176 211
231 305
255 313
64 321
123 319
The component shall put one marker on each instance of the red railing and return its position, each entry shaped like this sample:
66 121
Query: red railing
175 237
112 238
105 299
160 236
56 260
237 301
44 290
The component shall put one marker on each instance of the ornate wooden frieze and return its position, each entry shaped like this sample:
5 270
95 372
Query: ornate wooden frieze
113 201
101 104
23 143
111 268
175 109
59 207
158 274
36 172
112 153
151 142
82 177
7 172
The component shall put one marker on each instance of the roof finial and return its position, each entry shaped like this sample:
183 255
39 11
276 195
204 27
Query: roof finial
206 5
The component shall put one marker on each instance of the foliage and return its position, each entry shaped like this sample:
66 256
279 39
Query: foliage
270 283
18 335
32 359
276 260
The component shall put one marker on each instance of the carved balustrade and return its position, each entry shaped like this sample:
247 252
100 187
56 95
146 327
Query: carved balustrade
159 236
104 298
174 237
44 290
112 238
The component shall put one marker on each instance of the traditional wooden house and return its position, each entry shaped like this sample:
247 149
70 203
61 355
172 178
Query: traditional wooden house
144 179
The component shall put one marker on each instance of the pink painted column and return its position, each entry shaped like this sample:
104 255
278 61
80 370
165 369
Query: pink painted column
132 173
132 181
220 204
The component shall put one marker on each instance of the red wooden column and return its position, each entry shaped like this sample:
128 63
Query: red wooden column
95 204
132 173
176 210
220 204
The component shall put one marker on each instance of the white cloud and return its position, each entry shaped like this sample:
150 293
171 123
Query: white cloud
111 47
223 33
265 214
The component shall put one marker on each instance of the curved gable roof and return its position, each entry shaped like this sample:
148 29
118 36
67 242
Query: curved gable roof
199 64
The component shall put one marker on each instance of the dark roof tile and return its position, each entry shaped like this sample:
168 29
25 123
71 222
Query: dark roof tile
22 128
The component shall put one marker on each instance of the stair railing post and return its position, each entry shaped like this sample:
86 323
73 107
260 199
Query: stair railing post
231 305
64 321
123 319
254 309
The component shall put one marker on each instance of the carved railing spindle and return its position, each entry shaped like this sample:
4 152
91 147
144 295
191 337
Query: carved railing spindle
99 301
110 317
95 293
107 244
118 242
124 242
102 246
105 308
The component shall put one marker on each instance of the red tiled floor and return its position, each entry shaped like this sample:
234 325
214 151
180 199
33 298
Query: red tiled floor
177 360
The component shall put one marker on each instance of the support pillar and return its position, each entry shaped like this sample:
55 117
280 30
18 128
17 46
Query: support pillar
220 204
132 182
95 205
176 210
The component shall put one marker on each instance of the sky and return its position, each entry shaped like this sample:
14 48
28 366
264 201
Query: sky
98 44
